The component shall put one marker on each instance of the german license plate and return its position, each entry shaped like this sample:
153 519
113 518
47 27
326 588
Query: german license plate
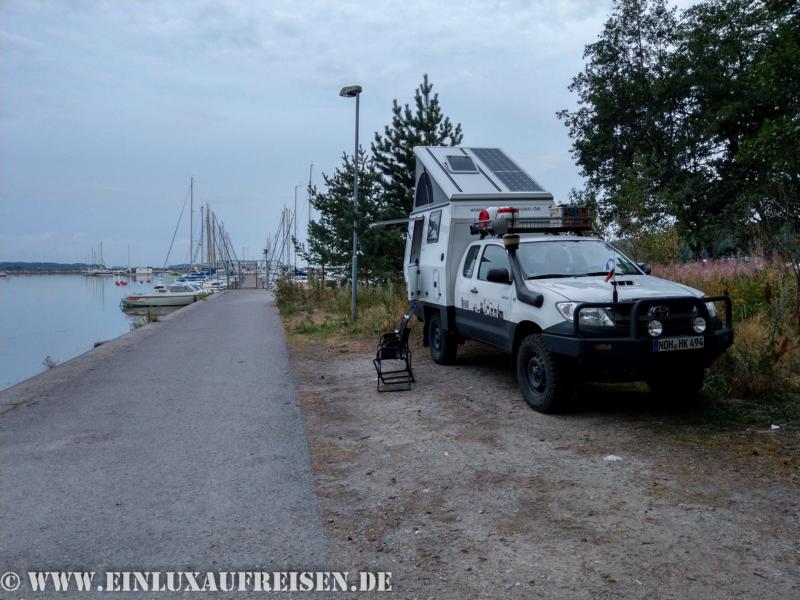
687 342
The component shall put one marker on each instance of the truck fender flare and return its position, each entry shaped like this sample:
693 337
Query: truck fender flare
521 331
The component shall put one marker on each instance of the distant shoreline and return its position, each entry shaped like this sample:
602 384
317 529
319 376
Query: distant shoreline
12 272
121 272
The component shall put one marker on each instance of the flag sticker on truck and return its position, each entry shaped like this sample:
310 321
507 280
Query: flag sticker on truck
689 342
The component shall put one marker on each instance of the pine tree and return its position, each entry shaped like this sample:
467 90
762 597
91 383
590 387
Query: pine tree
330 236
393 152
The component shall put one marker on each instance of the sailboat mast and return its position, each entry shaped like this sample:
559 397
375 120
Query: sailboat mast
211 258
191 221
308 192
202 235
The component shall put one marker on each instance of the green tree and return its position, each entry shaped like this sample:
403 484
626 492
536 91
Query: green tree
393 151
330 236
628 117
693 119
743 57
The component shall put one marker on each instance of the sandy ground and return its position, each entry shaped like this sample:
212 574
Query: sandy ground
462 491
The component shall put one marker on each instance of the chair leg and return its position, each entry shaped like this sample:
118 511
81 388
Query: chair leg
391 379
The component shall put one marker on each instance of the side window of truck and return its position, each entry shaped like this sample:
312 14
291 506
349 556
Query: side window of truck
469 262
494 257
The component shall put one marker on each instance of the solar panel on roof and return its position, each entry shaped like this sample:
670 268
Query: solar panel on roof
461 164
514 178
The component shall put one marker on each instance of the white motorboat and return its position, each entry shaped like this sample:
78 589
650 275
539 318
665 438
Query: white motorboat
98 272
214 285
165 295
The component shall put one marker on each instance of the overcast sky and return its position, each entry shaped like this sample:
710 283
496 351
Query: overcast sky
107 108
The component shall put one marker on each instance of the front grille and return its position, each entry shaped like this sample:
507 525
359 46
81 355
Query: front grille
678 322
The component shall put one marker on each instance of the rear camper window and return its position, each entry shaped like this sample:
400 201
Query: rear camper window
469 262
433 226
494 257
424 195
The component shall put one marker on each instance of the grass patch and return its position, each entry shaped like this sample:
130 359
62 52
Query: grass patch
323 311
49 363
138 323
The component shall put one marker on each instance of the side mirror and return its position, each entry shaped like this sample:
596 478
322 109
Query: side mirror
498 276
645 267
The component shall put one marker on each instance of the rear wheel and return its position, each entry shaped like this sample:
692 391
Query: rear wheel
443 345
542 376
681 389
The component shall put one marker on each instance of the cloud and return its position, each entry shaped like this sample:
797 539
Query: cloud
109 107
12 41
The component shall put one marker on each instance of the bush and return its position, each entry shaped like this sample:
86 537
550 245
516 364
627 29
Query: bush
753 285
760 364
764 361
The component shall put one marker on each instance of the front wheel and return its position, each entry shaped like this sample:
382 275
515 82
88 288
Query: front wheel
542 376
443 344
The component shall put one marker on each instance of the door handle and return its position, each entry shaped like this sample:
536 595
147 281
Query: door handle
474 290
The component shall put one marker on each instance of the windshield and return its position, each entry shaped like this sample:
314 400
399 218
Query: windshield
562 258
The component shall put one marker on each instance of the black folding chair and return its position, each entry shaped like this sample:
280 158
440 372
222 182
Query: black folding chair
394 347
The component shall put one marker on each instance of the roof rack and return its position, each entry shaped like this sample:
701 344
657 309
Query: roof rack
501 226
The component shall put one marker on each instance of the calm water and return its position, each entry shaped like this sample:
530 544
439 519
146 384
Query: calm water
60 316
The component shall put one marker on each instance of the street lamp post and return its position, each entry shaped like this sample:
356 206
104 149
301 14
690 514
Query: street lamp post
294 242
351 91
266 267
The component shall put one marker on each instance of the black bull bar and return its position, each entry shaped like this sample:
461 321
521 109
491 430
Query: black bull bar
639 305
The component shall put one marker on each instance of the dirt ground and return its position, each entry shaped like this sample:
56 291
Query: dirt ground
461 491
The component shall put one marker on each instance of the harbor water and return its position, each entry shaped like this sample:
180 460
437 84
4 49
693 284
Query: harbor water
58 316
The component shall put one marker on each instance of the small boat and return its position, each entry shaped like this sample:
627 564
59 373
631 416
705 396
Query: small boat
216 284
3 274
99 272
165 295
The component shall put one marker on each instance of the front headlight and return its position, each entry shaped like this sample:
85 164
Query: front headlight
712 309
591 317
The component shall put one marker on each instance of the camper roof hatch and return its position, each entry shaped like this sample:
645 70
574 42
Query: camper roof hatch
459 163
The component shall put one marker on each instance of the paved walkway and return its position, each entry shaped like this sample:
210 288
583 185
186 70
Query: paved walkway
178 446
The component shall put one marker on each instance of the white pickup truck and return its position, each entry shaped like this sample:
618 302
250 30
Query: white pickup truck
522 277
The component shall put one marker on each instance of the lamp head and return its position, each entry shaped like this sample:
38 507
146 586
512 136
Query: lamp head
350 91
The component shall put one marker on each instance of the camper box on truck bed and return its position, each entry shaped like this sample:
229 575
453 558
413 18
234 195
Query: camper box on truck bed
453 185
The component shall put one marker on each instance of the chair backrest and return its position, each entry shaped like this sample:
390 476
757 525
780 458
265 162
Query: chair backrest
403 329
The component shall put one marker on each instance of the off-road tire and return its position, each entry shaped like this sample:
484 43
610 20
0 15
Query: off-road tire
681 388
542 376
443 344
